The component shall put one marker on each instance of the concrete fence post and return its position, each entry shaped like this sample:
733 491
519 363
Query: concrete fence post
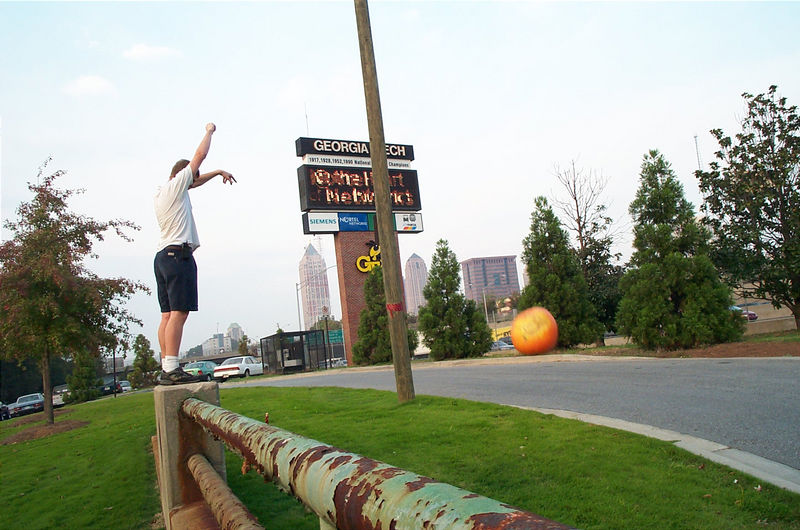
178 438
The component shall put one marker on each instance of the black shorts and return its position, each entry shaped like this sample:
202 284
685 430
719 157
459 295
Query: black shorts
176 278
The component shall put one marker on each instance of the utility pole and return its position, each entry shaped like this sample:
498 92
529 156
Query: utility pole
390 255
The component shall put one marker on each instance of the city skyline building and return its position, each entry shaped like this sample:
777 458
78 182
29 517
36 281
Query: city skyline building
314 292
235 332
494 276
414 280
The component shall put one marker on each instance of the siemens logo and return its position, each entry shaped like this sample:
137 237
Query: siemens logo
322 221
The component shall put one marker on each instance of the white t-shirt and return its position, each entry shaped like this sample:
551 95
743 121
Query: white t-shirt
174 211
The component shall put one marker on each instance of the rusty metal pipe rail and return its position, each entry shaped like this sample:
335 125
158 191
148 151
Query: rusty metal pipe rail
228 510
349 491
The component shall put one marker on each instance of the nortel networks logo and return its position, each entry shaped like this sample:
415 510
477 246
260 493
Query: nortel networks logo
322 221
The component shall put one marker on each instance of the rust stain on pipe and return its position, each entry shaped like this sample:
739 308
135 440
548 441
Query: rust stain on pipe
229 511
351 491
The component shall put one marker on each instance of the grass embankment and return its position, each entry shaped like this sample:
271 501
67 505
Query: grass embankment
102 475
781 336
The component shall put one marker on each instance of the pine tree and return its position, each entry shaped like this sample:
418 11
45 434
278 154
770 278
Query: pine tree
451 326
556 280
672 294
374 344
145 365
83 381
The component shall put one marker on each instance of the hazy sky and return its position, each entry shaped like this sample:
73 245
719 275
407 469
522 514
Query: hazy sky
493 96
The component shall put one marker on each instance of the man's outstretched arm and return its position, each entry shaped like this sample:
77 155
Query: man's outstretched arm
202 149
227 178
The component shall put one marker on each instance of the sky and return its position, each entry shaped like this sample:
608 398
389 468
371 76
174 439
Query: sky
494 97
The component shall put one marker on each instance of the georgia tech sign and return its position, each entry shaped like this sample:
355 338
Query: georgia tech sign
321 146
348 188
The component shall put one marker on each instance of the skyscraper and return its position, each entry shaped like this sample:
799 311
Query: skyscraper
416 277
495 276
313 286
235 332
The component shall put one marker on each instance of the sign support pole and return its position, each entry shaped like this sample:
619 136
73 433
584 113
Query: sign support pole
390 254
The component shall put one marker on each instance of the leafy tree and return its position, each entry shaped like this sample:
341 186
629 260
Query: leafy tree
374 344
752 202
585 216
672 294
332 324
197 351
556 280
451 326
50 303
244 345
19 378
145 366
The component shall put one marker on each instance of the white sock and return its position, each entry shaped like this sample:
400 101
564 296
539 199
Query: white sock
169 363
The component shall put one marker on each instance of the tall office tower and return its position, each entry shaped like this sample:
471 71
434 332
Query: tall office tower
495 276
235 332
313 286
416 277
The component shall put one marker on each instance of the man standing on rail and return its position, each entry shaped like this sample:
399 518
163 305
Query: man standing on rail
174 264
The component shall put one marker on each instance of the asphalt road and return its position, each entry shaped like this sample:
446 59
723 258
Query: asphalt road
747 404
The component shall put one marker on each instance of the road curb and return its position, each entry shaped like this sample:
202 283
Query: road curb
775 473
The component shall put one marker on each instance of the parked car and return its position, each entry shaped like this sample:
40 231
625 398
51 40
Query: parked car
202 369
749 315
4 415
238 367
107 387
506 339
59 393
26 404
501 345
125 386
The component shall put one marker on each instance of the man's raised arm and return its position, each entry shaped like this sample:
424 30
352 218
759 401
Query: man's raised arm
202 149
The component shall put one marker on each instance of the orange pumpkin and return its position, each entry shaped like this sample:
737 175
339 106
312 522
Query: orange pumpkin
534 331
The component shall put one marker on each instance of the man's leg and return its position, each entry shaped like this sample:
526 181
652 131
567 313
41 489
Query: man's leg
172 324
171 372
173 332
162 334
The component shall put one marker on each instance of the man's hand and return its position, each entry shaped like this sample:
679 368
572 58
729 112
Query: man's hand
227 178
210 127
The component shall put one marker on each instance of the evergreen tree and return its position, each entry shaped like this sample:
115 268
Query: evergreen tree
556 279
83 383
374 344
51 304
752 198
451 326
672 295
145 366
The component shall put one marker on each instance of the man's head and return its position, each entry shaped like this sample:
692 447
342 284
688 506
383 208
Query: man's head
179 165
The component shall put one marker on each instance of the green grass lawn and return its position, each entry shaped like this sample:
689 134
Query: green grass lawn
782 336
102 475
